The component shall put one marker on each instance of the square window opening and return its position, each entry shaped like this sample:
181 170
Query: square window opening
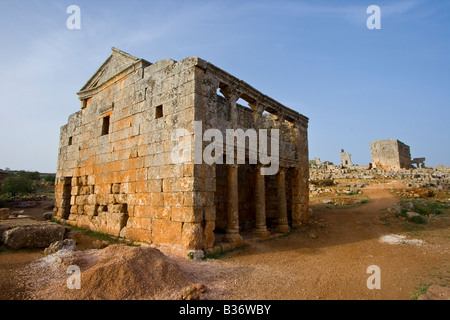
105 125
159 112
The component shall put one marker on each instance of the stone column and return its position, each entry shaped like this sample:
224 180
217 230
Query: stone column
232 233
258 109
260 205
300 203
232 95
282 225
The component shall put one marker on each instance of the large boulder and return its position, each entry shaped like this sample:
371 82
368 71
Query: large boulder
35 236
67 244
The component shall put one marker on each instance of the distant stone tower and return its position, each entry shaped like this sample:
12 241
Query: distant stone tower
390 155
346 159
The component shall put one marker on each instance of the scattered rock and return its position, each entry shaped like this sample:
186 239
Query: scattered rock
17 213
436 292
26 204
4 213
412 214
395 209
34 236
100 244
201 287
67 244
24 216
48 215
193 292
409 206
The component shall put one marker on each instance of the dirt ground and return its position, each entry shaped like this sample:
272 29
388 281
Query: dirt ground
334 265
327 258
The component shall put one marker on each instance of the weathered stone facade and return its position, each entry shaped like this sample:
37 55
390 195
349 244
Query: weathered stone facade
116 172
390 155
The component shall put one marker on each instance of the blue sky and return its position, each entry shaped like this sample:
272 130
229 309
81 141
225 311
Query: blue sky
317 57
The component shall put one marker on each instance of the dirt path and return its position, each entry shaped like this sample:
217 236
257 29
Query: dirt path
334 265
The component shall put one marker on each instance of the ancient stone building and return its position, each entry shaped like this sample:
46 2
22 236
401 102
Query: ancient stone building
390 155
346 159
117 172
419 162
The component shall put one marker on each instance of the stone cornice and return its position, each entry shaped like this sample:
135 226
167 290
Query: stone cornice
252 95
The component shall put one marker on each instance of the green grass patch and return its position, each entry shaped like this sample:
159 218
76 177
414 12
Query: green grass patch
220 253
427 208
412 227
418 220
94 234
420 291
284 235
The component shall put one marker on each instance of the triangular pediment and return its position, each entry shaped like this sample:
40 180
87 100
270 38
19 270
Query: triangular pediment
117 62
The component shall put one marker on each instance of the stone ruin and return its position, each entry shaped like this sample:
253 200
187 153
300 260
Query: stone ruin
393 155
116 172
391 160
390 155
346 159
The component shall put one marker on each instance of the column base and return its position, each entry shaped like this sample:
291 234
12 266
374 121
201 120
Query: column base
261 233
232 238
282 228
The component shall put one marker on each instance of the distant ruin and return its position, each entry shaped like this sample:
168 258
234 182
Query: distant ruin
346 159
390 155
116 173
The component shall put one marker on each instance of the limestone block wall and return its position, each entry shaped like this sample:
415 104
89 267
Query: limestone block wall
125 182
390 155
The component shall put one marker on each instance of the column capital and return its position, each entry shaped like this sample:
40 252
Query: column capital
258 106
231 93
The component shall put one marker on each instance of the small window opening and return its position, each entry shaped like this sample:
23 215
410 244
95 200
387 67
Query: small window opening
105 126
159 112
70 141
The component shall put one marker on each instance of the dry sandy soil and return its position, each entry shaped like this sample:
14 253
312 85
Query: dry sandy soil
326 258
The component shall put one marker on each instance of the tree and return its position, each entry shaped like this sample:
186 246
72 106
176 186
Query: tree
17 184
